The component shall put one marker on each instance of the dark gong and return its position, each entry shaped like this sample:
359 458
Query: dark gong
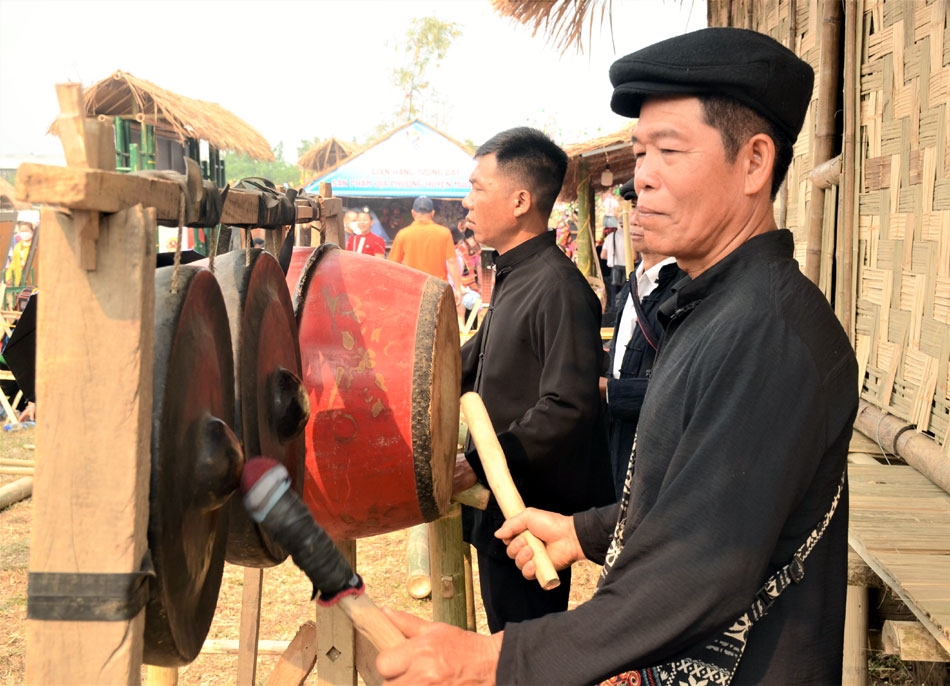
272 406
196 463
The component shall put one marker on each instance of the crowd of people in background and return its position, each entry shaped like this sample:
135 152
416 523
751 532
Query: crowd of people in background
373 231
19 285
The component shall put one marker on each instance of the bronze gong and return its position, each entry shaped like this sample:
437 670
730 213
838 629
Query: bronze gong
272 406
196 463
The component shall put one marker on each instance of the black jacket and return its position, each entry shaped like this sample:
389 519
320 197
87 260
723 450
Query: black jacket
541 356
625 395
742 441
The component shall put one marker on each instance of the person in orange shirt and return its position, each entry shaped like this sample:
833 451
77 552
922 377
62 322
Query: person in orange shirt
428 247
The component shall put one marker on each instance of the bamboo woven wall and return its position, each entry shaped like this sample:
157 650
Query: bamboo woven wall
901 279
902 331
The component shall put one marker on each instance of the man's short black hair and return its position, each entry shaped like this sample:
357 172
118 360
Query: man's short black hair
533 158
737 123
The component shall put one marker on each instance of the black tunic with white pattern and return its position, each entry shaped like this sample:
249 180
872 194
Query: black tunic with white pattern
742 439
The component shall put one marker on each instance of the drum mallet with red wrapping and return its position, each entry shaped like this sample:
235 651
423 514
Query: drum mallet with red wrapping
272 503
499 480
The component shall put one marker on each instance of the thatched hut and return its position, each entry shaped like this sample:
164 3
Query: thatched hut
169 126
613 152
327 154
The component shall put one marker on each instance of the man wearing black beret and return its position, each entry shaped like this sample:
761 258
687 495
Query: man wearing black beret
725 561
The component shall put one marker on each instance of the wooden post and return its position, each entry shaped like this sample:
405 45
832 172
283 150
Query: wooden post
332 217
336 644
854 670
90 496
448 569
161 676
250 626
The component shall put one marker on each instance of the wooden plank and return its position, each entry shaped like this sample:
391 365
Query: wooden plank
912 642
240 207
298 660
900 525
90 496
96 190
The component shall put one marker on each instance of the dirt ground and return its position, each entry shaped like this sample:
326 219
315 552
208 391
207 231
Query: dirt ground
285 603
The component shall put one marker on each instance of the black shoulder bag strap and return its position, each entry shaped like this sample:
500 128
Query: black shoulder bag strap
644 323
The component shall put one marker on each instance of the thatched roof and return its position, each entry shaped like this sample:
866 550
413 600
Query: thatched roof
563 21
328 154
614 149
176 116
8 199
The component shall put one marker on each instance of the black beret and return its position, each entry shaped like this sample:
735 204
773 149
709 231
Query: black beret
627 191
748 66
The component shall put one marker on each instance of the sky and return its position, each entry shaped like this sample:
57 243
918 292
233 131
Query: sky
299 69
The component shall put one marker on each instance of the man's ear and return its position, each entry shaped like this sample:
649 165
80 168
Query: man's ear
522 202
759 152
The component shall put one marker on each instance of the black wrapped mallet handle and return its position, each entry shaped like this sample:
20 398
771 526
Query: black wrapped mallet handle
272 503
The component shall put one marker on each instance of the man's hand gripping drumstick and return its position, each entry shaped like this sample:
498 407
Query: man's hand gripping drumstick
501 484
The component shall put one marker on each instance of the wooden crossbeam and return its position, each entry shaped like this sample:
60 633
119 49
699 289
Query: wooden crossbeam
107 192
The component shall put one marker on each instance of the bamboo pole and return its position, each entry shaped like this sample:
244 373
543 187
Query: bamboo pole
896 436
827 174
782 199
17 462
848 197
418 581
448 569
469 587
16 470
824 129
233 646
16 491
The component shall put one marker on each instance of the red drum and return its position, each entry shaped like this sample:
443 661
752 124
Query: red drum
379 345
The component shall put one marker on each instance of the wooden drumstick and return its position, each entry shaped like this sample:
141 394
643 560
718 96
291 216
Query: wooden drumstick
499 479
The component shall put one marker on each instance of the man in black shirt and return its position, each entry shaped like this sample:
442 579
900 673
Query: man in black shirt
535 362
633 346
743 436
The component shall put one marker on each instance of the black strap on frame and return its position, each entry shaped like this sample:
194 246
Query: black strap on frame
78 597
